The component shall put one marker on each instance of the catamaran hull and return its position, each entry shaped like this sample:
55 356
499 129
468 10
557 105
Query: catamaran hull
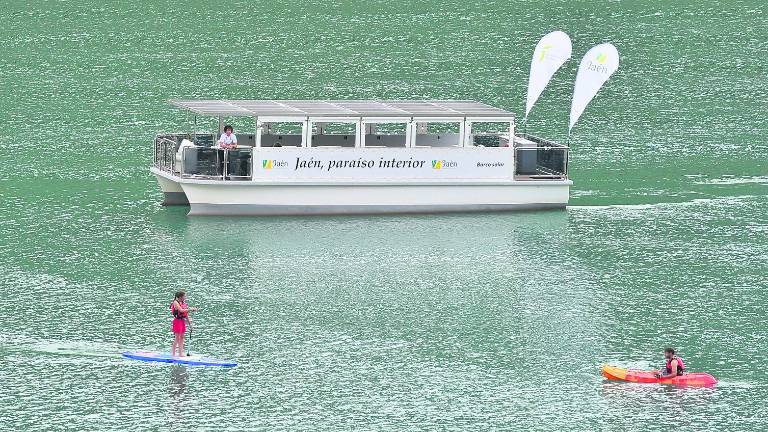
295 210
173 194
257 198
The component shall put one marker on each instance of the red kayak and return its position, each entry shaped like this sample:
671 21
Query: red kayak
697 379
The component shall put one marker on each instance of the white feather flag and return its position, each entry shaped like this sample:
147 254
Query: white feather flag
597 66
551 52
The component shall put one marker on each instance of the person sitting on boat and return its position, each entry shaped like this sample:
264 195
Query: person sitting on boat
673 367
180 312
228 139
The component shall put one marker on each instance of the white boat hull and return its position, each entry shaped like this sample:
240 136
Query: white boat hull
173 194
289 197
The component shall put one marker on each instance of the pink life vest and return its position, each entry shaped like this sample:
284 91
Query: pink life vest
680 365
177 313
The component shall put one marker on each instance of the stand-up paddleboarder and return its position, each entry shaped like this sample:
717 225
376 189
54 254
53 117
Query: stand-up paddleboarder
180 311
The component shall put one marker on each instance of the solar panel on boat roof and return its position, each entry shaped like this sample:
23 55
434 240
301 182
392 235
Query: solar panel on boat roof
370 108
471 107
212 107
261 107
422 108
319 108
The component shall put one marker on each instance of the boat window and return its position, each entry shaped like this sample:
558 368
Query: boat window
437 134
380 135
489 134
281 134
332 135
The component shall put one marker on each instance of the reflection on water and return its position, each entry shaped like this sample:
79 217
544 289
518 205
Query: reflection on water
179 403
647 392
630 400
178 381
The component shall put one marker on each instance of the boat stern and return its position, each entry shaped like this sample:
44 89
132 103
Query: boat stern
173 194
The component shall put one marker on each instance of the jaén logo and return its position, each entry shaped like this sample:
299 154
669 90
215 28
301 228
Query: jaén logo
439 164
268 164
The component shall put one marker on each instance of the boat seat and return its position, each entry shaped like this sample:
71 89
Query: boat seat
191 161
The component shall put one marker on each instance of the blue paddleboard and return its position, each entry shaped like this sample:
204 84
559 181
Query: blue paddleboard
167 358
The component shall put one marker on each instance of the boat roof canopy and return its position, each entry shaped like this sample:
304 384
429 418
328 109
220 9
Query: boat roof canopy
337 109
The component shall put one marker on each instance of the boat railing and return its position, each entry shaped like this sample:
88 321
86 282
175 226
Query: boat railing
539 159
213 163
165 154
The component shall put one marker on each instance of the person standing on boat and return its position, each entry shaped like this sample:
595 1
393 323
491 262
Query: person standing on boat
673 367
228 139
180 311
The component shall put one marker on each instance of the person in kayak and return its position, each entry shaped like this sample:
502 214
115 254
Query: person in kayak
180 311
673 367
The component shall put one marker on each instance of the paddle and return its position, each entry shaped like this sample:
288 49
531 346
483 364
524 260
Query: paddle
190 340
190 331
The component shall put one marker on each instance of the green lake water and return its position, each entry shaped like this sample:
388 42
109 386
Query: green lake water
443 322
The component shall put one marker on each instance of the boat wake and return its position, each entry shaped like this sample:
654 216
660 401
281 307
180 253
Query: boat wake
735 180
70 349
730 200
